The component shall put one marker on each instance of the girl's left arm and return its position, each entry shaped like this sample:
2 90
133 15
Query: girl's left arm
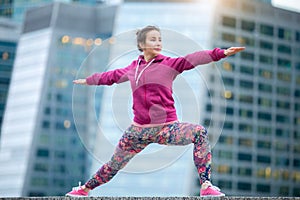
204 57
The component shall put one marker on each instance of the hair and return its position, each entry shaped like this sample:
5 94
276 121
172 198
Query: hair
142 33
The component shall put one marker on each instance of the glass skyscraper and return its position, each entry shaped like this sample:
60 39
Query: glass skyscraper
41 152
9 34
258 151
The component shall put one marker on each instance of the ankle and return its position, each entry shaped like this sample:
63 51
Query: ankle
85 188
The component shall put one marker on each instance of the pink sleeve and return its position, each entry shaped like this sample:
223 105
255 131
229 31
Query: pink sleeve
190 61
109 78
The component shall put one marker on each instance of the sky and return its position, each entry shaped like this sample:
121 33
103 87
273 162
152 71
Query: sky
293 5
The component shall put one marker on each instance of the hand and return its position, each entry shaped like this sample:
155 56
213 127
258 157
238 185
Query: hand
80 81
233 50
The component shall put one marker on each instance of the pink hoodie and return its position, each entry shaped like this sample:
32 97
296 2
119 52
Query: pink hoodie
151 83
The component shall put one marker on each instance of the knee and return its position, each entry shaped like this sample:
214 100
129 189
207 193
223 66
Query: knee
200 134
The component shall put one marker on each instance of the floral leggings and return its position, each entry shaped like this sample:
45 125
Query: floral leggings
135 139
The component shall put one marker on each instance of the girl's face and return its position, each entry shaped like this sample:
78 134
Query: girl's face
153 44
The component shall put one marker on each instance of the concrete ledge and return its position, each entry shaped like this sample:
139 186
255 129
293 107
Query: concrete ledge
150 198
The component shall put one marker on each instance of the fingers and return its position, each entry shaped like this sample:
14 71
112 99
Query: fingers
233 50
80 81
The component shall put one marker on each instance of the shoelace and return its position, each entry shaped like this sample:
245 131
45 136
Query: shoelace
215 187
78 187
212 186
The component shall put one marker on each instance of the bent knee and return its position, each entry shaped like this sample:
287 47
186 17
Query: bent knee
200 134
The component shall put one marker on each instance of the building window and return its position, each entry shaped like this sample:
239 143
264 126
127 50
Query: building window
229 21
296 162
285 133
224 169
297 93
209 107
264 116
39 181
245 113
266 59
244 171
46 124
263 188
283 91
248 26
263 159
284 77
41 167
297 107
245 41
228 81
246 70
244 157
228 110
283 162
228 125
227 66
244 186
225 154
246 99
284 63
266 45
265 88
267 74
267 30
283 105
42 153
263 144
298 78
284 191
280 146
296 192
285 34
247 128
297 36
265 102
247 56
228 37
226 139
284 49
246 84
225 184
246 142
264 130
282 119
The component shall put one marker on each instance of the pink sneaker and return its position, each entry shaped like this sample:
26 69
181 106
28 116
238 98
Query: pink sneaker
77 192
208 190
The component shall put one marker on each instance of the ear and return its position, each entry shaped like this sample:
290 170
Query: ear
142 45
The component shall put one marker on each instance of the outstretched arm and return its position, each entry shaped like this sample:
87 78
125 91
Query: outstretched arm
233 50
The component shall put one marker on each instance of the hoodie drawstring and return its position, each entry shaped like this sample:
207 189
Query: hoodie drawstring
138 76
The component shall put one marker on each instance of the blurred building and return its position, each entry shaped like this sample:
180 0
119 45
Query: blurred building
257 153
41 152
9 34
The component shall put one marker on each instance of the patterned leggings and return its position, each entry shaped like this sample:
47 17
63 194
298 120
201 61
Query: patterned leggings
135 139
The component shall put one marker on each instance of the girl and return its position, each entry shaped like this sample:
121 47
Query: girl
155 120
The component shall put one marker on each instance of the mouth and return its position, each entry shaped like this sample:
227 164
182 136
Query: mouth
157 49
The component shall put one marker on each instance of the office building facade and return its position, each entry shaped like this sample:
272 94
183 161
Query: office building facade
9 34
258 151
41 152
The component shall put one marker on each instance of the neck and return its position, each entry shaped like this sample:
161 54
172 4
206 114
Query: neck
148 57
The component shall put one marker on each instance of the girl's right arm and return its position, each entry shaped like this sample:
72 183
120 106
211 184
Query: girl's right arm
106 78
